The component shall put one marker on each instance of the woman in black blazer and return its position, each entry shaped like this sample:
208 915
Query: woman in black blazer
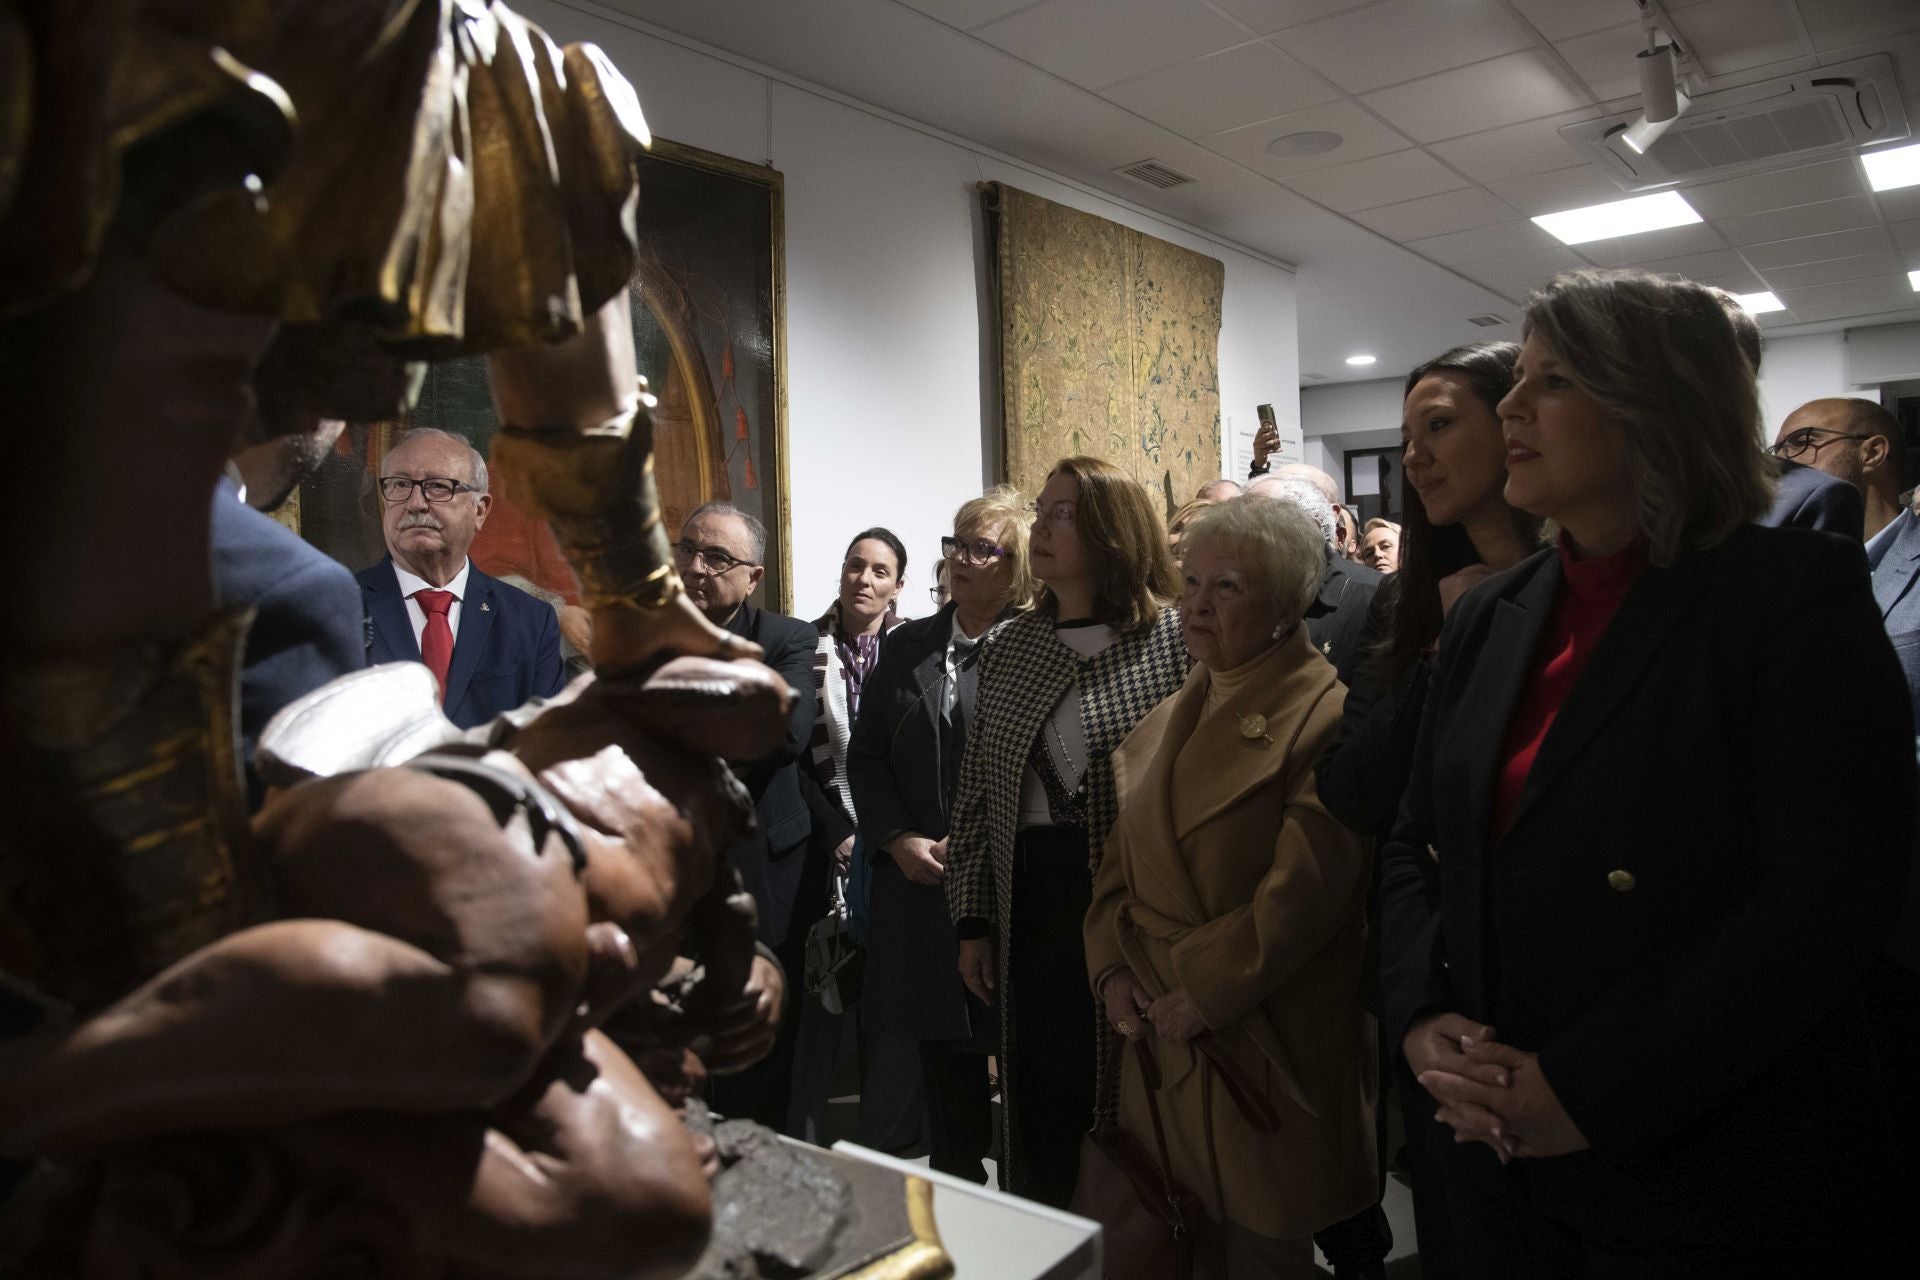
902 765
1658 822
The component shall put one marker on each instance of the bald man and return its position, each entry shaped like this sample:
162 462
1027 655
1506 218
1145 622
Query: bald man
1856 442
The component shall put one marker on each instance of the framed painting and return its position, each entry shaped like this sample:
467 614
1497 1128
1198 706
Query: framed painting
1373 482
709 310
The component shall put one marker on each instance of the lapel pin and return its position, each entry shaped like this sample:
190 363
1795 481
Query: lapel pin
485 607
1254 727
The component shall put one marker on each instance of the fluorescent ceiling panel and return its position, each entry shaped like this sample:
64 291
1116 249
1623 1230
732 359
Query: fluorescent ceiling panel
1619 218
1758 304
1887 170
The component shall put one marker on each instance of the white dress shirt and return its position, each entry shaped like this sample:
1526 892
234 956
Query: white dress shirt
418 616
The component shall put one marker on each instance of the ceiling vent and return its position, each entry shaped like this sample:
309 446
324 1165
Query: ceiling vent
1313 377
1153 174
1777 124
1487 321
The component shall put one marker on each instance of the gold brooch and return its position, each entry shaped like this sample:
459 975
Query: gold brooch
1255 726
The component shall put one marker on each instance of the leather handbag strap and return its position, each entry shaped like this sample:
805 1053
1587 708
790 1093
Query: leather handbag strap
1150 1075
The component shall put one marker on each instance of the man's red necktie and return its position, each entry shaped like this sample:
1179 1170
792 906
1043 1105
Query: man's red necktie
436 642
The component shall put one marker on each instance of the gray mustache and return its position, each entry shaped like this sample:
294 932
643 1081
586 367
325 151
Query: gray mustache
419 520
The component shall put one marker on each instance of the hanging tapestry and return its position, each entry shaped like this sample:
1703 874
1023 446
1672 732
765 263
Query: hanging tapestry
1109 345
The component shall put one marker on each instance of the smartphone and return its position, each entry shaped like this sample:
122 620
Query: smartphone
1266 415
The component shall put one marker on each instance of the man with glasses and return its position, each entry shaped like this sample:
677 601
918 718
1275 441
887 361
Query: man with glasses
490 646
1856 442
720 555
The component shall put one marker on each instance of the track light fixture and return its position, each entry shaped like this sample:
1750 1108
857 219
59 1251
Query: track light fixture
1661 102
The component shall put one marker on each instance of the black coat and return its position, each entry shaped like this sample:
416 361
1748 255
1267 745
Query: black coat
771 857
1808 498
902 774
1705 857
1364 774
1337 618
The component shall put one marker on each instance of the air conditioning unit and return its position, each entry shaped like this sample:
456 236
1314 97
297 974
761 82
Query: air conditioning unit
1773 125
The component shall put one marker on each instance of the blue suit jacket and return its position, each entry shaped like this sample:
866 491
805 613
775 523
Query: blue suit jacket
1809 498
507 649
1895 569
308 624
771 858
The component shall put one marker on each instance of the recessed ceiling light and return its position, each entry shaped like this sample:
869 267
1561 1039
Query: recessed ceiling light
1887 170
1758 304
1313 142
1618 218
1913 278
1360 359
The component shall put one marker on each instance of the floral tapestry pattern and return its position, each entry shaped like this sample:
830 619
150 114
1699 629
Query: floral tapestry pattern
1109 346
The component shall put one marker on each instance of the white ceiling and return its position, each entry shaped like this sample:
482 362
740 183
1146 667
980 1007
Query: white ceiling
1450 111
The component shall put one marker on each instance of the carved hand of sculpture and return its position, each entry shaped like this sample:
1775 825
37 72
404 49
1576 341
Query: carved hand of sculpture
579 446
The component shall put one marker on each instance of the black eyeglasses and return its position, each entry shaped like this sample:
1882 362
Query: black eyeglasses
939 595
712 559
1798 442
979 551
398 489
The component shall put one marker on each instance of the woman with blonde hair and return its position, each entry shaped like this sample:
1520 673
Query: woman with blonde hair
1182 518
1645 859
1060 687
903 764
1229 918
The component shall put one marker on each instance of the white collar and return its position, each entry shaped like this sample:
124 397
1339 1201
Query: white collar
410 583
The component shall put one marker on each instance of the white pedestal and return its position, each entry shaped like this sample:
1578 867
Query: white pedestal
994 1236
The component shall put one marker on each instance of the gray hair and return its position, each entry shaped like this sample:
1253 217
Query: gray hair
1662 357
1286 542
756 532
1303 494
476 464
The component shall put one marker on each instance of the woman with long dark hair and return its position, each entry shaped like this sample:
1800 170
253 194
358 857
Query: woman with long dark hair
1644 859
1059 688
1457 530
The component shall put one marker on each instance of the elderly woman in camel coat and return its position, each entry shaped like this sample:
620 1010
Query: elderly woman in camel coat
1229 917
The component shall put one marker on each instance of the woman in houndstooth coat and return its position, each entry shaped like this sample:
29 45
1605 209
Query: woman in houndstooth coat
1059 689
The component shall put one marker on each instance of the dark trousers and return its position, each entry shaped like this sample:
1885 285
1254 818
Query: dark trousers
893 1115
1428 1142
959 1108
1363 1241
1051 1061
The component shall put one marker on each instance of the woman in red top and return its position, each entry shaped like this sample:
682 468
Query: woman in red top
1665 855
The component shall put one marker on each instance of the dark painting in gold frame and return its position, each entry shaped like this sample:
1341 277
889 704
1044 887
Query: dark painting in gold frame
709 310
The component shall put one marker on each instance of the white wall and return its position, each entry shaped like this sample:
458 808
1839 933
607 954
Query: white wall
892 412
1796 370
1349 415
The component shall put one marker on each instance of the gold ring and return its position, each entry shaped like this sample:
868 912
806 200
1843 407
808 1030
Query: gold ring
1124 1028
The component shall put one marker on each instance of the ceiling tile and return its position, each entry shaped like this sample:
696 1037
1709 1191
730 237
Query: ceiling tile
1801 220
1571 188
1722 268
1532 146
1435 215
1906 234
1835 24
966 14
1519 86
1673 242
1732 35
1266 16
1833 271
1558 19
1402 40
1365 136
1604 60
1223 90
1851 298
1365 184
1521 271
1809 184
1099 42
1480 243
1904 203
1821 248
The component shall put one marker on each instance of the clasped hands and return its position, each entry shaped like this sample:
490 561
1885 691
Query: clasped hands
1488 1091
1130 1011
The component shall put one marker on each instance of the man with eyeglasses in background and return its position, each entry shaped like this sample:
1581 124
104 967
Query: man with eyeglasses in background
720 555
1855 441
490 646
